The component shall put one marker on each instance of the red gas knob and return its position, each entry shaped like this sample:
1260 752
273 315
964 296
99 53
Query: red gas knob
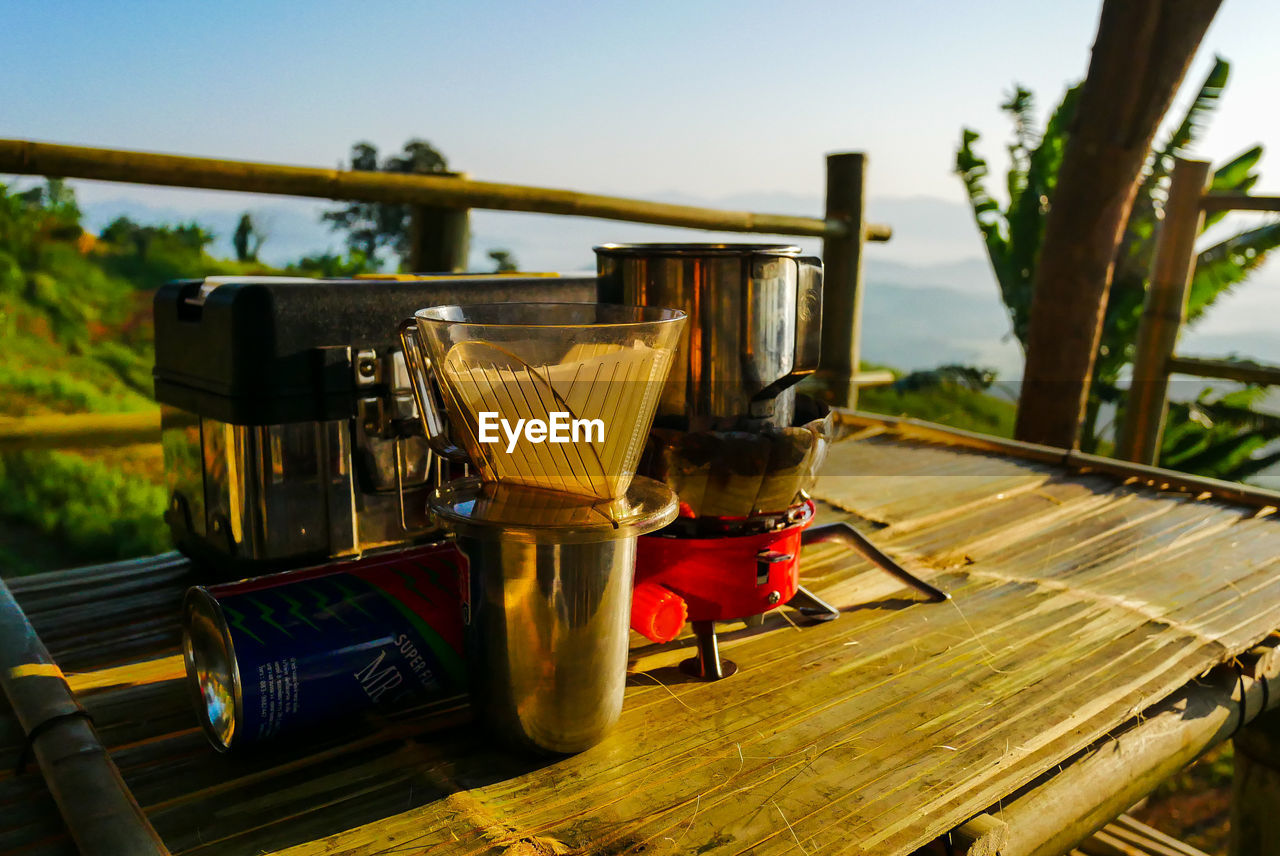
657 613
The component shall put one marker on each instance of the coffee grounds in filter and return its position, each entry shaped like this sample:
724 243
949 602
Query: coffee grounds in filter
616 384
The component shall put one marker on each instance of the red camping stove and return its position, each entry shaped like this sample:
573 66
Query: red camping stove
703 570
732 438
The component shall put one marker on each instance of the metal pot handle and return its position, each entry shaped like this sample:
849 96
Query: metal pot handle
434 425
808 334
808 316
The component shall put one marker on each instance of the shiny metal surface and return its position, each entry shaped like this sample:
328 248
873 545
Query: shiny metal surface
434 426
307 490
213 677
548 621
547 642
754 329
482 509
299 490
279 490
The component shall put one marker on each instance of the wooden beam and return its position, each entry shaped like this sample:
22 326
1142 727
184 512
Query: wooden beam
1267 501
1255 788
1163 313
1238 202
1139 58
1245 371
80 430
1127 837
873 378
31 158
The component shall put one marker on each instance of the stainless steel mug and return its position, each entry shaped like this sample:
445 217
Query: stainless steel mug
754 328
547 604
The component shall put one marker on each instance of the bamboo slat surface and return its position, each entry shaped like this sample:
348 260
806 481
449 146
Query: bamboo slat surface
1078 602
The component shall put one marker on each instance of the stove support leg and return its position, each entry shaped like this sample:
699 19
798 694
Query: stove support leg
845 534
810 605
707 665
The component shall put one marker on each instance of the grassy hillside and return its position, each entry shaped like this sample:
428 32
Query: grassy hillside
75 317
951 395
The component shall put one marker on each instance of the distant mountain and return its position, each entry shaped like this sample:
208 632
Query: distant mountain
926 230
930 297
912 327
1261 344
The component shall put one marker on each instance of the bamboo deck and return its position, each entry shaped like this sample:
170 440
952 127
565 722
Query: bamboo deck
1078 603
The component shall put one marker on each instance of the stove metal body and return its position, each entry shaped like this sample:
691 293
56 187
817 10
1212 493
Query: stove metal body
290 430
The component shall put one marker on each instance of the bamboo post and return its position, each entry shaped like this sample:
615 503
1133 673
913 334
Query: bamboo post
439 239
842 278
99 811
1255 788
1163 313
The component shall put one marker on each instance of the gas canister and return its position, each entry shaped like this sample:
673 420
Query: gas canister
270 656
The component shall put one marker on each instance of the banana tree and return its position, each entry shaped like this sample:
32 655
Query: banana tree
1013 234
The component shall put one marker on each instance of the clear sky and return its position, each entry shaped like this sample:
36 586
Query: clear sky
706 98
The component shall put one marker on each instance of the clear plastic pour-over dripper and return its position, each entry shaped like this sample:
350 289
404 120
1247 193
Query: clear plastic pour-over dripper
558 396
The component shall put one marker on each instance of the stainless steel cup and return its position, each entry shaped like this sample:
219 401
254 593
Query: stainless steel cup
754 326
547 604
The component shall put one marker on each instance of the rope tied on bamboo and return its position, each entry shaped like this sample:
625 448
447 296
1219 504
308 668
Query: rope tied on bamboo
29 744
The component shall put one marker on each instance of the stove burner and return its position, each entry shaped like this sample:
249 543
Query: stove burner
703 570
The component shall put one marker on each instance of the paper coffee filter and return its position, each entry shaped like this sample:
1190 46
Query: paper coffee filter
617 384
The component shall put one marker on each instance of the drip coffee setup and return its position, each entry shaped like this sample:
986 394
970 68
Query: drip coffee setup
578 456
732 439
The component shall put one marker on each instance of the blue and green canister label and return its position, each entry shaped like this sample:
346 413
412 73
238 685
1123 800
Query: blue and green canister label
316 644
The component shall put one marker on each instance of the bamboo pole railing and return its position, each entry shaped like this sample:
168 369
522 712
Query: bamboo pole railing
1245 371
440 204
1165 311
25 157
1055 814
100 812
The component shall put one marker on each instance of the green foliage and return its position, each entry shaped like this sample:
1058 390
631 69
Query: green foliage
97 511
333 265
147 257
1013 235
950 395
75 321
504 261
371 226
1221 434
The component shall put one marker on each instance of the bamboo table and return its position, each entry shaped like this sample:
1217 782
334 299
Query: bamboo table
1107 625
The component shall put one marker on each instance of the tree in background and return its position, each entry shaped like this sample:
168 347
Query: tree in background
31 218
1216 435
248 239
371 226
504 261
332 265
